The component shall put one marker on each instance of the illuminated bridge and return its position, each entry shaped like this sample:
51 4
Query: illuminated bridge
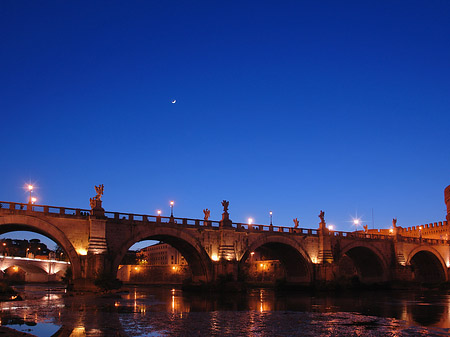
35 270
96 241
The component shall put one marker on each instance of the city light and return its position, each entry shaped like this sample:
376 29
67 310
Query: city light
33 200
356 222
30 189
214 257
81 251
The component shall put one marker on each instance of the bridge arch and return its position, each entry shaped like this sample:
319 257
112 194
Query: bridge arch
367 260
12 223
297 263
191 249
427 264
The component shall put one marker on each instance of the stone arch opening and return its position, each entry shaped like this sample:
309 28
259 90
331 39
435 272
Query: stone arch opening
276 260
362 264
15 274
197 259
35 225
427 268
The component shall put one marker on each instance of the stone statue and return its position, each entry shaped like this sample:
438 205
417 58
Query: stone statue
322 216
225 205
96 202
99 190
366 228
92 202
226 222
207 213
295 222
394 222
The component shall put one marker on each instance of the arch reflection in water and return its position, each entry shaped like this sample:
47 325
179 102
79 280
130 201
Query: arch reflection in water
152 310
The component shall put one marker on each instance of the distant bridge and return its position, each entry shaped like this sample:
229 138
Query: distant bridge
96 241
36 270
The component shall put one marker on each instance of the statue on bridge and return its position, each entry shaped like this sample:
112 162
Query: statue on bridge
225 204
96 202
295 222
394 223
99 190
322 216
226 222
366 228
322 224
207 213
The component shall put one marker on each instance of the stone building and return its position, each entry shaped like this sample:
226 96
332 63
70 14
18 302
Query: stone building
161 254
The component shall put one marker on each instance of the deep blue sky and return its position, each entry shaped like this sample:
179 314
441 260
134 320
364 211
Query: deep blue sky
291 106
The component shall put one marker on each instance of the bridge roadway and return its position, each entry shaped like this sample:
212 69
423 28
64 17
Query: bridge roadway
96 241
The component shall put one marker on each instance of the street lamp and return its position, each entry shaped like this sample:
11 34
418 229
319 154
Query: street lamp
356 223
250 220
330 227
30 188
33 200
270 215
171 209
159 212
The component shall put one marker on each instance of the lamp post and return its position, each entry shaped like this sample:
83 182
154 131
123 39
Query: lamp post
30 189
270 215
356 223
171 209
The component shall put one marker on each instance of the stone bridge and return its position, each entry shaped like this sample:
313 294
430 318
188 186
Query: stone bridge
96 242
36 270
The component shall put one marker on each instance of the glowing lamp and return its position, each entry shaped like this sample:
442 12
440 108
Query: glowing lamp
81 251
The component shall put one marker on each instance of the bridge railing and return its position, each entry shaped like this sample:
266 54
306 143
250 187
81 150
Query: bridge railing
361 235
47 210
144 218
411 239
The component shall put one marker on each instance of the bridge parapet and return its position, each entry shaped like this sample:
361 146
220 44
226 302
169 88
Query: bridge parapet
21 208
127 218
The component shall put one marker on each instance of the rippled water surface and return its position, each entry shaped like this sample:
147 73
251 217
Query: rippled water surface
154 311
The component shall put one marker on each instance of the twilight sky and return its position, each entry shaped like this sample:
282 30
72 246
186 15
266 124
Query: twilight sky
289 106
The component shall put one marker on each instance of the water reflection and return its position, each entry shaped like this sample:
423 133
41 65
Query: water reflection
167 311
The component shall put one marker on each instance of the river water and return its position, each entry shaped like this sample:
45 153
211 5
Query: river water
160 311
